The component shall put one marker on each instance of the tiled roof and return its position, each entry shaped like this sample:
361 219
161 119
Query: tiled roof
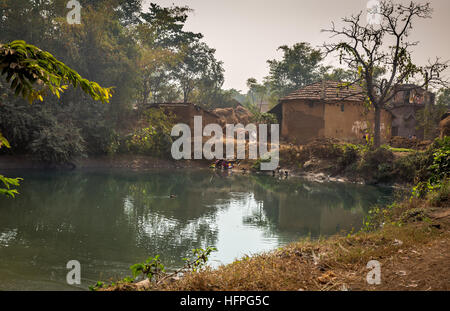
327 90
180 104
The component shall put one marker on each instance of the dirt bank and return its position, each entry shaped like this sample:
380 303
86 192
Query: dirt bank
126 161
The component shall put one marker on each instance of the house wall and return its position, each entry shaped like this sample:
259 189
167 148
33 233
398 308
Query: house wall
302 120
349 121
404 121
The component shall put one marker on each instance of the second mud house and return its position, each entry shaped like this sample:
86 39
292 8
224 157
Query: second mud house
327 109
404 107
185 112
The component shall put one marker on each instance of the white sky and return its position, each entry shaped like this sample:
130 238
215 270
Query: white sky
246 33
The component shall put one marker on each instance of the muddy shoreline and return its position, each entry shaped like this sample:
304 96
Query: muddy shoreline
148 163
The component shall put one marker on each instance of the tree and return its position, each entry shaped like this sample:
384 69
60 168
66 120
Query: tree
429 117
443 98
258 92
26 66
166 26
365 48
338 74
127 12
198 67
160 37
300 66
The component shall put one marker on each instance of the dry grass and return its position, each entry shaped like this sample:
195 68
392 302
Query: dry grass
333 264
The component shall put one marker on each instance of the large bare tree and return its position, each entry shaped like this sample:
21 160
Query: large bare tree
385 47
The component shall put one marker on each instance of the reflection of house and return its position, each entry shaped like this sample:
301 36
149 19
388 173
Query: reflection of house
327 109
314 215
404 107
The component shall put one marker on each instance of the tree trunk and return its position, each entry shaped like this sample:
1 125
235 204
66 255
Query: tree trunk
377 127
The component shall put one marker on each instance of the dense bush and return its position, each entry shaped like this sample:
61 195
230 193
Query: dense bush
405 168
155 139
350 154
58 144
434 168
100 139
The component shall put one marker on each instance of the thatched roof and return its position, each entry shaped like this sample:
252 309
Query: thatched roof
328 91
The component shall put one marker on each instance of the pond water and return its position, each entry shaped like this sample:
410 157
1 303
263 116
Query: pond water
109 220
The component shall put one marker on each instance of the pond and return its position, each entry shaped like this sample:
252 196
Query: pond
109 220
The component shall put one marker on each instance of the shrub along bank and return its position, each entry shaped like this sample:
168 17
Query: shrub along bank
361 163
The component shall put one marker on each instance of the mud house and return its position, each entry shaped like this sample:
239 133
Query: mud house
236 115
327 109
185 112
404 107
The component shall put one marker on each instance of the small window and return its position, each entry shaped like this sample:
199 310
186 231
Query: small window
342 107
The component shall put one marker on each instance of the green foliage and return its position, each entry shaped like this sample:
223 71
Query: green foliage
155 139
435 168
147 57
300 66
166 25
257 163
201 257
199 74
338 74
264 118
100 137
393 149
97 286
4 142
405 168
350 155
376 165
440 194
155 271
25 65
429 117
57 144
443 98
9 183
151 268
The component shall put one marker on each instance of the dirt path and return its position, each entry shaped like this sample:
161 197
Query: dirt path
423 267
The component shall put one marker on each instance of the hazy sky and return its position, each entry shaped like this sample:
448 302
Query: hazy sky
246 33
